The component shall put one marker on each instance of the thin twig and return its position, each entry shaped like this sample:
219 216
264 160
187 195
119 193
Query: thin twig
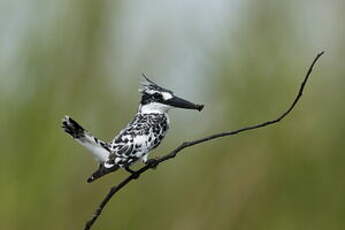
184 145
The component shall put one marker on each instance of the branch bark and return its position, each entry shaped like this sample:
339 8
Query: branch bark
173 153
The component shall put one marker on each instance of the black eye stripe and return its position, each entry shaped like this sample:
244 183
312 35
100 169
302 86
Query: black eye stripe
157 95
148 98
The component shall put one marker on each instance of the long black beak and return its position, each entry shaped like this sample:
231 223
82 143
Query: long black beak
182 103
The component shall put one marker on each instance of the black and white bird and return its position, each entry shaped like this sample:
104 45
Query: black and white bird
139 137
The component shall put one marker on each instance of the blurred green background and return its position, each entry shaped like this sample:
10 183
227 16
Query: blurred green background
243 59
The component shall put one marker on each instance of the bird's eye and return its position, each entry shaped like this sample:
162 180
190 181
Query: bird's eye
157 95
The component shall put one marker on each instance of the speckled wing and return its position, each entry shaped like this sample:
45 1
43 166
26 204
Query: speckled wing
129 145
140 136
122 150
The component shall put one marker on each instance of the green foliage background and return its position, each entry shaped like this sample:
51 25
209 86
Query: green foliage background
84 58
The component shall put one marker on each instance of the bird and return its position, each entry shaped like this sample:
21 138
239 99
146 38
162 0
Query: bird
135 142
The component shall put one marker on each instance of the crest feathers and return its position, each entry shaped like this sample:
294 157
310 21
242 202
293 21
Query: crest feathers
149 85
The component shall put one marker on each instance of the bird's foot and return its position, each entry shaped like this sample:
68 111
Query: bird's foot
133 173
152 163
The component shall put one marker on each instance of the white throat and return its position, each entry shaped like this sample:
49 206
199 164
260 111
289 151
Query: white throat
154 107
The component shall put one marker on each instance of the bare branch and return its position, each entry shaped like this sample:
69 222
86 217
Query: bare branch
172 154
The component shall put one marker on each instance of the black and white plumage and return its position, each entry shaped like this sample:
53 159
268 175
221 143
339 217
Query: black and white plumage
139 137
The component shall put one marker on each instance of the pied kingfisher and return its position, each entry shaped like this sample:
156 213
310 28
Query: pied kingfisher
139 137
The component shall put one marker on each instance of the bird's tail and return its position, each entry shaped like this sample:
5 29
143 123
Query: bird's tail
102 171
98 148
